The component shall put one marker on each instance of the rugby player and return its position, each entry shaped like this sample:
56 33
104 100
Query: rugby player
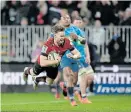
85 74
67 64
60 45
85 71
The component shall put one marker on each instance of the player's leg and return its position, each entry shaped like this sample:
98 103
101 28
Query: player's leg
74 68
68 73
75 80
85 79
56 83
63 85
26 73
37 79
51 74
35 70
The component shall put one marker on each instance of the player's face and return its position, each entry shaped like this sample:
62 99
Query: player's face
78 23
59 37
65 20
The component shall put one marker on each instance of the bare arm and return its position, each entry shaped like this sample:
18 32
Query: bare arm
87 54
76 54
44 62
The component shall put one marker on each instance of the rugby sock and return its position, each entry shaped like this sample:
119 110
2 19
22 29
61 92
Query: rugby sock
91 87
65 84
83 95
64 93
28 71
71 93
77 88
38 79
57 88
64 90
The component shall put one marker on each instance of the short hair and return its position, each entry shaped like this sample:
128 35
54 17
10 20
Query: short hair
57 28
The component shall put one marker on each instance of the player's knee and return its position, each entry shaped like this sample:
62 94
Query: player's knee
68 71
32 72
90 77
49 81
75 80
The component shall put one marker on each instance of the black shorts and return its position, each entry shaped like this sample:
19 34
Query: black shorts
51 71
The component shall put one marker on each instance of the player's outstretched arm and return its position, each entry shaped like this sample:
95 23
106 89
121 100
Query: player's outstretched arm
45 62
76 54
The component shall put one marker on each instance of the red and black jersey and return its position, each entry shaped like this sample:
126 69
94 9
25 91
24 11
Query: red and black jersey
49 46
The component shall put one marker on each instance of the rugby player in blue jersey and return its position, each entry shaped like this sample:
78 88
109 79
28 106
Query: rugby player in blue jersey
85 74
69 65
77 36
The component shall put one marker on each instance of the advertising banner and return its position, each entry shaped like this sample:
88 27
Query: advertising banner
113 79
11 79
109 79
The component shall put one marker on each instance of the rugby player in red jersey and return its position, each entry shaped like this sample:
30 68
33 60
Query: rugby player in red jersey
60 45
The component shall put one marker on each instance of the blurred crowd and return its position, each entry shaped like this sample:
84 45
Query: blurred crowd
97 13
26 12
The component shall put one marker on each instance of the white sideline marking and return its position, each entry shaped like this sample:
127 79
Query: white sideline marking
34 103
47 102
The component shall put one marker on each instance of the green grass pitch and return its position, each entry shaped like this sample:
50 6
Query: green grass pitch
45 102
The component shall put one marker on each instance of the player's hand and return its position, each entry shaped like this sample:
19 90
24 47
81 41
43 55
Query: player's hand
73 36
69 55
88 60
82 40
72 56
58 59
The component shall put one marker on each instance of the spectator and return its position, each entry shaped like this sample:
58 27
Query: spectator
84 12
87 22
23 10
117 50
121 16
42 17
127 17
9 12
98 36
103 11
54 12
95 8
33 12
24 21
80 24
70 5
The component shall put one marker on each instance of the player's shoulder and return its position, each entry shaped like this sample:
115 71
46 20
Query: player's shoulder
47 45
67 40
49 42
75 27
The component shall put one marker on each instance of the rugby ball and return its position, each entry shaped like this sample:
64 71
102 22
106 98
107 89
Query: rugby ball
53 56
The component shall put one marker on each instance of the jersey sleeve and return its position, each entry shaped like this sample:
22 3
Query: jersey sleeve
45 50
79 32
70 45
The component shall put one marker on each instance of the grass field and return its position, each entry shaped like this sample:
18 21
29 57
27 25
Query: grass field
45 102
